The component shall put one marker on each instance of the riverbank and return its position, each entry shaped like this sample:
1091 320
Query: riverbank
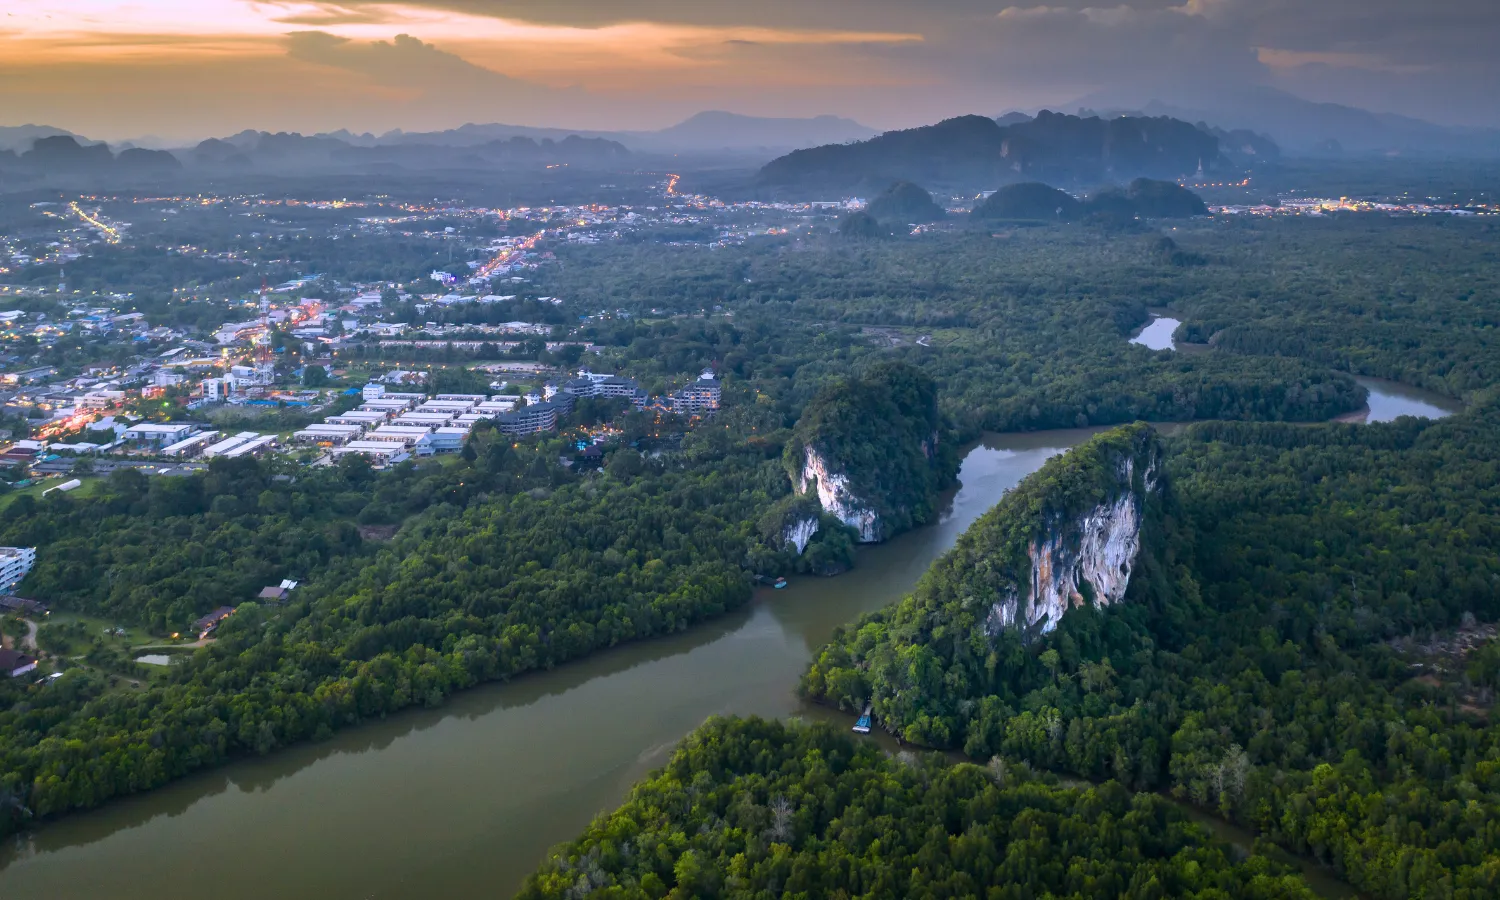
467 798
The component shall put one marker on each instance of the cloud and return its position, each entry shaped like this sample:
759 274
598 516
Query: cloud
890 62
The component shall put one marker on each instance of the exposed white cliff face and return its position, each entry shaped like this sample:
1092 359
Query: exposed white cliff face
1098 549
799 533
835 497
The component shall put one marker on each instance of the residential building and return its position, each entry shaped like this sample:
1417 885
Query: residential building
97 401
15 563
405 435
223 447
332 434
531 419
206 624
590 384
14 663
167 378
424 419
386 452
190 446
699 397
159 434
449 439
364 418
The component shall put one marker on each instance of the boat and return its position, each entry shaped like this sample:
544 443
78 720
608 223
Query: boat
863 725
780 583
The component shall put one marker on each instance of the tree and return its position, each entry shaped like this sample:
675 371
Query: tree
314 376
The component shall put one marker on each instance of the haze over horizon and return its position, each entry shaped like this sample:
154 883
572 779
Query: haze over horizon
180 70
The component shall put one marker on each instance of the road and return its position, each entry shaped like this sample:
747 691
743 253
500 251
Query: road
106 466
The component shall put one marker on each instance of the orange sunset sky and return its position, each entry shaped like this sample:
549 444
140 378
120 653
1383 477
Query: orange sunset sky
192 68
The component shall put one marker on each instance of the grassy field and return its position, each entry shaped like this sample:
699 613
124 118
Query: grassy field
35 490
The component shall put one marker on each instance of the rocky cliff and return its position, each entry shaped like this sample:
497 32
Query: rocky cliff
797 533
1077 533
835 496
1081 557
870 450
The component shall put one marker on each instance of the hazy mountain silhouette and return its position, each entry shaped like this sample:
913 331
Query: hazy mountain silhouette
1301 126
979 151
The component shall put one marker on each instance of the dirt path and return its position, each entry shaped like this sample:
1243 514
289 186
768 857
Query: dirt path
28 640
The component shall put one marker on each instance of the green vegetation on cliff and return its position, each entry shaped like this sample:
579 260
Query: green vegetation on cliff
1254 667
749 808
1028 200
929 663
904 203
882 435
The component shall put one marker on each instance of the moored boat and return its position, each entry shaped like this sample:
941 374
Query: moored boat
863 725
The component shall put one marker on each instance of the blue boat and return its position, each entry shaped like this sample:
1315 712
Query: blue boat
780 583
863 725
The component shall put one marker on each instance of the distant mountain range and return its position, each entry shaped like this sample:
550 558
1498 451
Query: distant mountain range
64 154
705 132
1304 127
979 152
31 151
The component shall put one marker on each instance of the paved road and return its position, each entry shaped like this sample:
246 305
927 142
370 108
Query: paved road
106 466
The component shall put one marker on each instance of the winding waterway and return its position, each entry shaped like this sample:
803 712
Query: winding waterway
465 800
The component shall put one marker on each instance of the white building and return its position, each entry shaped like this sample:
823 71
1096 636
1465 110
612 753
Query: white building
15 562
167 378
153 434
374 391
385 452
223 447
97 401
332 434
191 446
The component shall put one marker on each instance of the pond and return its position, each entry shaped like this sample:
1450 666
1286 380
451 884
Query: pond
1390 400
1157 335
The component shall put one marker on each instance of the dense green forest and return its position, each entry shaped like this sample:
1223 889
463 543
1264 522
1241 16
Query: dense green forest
1258 667
1254 666
749 808
505 563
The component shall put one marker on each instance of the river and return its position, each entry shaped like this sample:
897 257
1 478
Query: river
1388 399
464 801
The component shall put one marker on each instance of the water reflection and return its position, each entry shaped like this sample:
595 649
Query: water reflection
464 801
1390 400
1157 335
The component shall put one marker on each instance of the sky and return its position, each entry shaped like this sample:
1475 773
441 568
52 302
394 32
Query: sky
188 69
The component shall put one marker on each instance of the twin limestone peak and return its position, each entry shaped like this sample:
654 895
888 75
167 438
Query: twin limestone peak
1085 557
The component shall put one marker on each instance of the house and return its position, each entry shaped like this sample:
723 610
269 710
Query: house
14 663
273 594
22 606
206 624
